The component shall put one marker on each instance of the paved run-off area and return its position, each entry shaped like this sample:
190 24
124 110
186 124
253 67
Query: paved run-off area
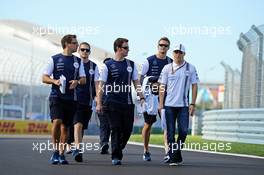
18 157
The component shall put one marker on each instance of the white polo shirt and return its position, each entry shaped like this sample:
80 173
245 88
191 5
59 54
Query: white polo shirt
178 83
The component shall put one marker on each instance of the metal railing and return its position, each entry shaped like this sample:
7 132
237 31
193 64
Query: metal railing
234 125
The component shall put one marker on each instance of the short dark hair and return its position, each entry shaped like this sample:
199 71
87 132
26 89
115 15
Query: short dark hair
164 39
119 42
67 39
85 43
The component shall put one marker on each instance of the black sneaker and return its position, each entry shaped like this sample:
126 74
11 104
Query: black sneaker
146 156
173 163
179 159
104 149
77 155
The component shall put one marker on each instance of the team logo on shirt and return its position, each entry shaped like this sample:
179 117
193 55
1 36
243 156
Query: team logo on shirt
76 65
91 71
113 66
129 69
60 60
155 62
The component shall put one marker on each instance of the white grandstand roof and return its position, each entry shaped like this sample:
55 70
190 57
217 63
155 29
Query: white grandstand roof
24 52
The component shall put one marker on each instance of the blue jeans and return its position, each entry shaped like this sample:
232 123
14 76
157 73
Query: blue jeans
181 114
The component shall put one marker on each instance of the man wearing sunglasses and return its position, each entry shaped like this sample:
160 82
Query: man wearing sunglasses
152 67
67 71
177 78
85 96
115 79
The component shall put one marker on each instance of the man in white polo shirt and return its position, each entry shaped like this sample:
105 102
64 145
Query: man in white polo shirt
177 78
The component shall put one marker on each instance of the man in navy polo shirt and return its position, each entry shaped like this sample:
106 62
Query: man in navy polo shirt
116 76
152 67
67 71
177 78
85 96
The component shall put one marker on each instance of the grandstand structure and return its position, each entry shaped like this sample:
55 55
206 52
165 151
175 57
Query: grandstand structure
24 52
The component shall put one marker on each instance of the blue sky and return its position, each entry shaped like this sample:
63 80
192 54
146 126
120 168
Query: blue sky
144 22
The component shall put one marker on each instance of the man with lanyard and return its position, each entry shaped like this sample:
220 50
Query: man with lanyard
152 67
85 97
67 71
176 79
116 76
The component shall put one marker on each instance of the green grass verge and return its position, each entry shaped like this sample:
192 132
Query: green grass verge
196 142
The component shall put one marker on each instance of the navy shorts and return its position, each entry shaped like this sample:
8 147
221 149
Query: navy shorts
83 115
149 119
62 109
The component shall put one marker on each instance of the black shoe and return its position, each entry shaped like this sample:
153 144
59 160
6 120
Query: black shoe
104 149
176 159
77 155
174 163
179 159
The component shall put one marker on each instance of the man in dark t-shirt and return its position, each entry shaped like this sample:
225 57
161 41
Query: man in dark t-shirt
64 71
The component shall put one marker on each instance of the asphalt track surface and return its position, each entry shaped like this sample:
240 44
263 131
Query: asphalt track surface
18 157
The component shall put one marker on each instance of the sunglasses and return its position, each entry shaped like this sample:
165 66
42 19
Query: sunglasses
74 42
163 45
126 47
178 51
83 49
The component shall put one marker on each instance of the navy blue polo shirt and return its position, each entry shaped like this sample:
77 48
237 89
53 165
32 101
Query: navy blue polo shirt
156 65
69 66
117 76
86 92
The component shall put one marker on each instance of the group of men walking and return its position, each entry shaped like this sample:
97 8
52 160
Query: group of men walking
78 85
